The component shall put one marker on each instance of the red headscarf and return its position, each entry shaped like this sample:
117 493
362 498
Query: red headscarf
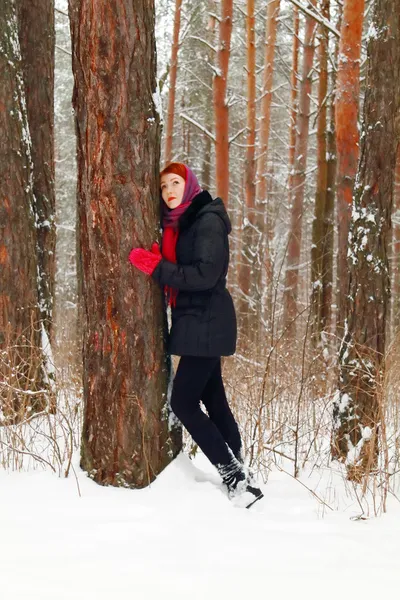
171 218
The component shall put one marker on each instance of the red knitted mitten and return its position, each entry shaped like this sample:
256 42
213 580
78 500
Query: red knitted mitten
144 260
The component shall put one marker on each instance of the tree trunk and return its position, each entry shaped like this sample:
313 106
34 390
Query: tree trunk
249 264
208 142
266 93
296 192
318 248
263 199
294 86
346 108
396 249
126 438
221 110
37 41
22 364
172 82
357 409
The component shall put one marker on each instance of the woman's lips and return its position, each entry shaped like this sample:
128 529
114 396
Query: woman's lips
170 199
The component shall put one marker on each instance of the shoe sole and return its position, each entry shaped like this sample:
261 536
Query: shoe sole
255 500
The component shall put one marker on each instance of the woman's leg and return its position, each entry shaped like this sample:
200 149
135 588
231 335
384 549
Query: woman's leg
216 403
189 383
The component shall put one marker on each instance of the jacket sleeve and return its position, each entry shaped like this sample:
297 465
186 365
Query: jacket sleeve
208 259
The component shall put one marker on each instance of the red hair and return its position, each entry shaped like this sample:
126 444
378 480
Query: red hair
175 167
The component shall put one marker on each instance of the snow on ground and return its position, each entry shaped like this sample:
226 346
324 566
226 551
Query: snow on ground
181 538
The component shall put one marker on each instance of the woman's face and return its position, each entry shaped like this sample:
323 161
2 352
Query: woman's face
172 189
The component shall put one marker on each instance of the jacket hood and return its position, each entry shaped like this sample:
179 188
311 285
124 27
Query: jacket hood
202 204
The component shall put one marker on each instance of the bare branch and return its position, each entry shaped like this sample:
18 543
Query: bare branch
320 19
200 127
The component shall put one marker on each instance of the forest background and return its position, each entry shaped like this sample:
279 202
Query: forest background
289 111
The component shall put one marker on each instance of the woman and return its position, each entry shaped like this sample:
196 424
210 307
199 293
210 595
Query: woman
192 270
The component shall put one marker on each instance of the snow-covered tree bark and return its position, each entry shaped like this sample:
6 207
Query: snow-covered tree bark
126 436
37 41
297 182
346 114
22 376
319 232
357 409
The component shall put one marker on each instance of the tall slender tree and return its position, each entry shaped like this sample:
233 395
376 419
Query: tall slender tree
172 82
357 410
126 439
319 233
249 264
296 191
221 108
395 254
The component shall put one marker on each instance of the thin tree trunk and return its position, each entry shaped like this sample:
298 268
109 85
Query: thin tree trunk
37 41
266 92
296 192
294 87
208 143
346 109
327 260
126 439
396 249
320 208
357 409
250 269
221 109
172 82
22 382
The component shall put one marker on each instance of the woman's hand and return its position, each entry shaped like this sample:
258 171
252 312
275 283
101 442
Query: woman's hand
144 260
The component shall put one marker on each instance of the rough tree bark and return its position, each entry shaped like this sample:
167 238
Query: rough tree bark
296 191
346 114
22 373
221 109
172 83
126 438
357 408
37 41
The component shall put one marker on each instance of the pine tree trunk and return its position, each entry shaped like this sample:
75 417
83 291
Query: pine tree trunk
126 439
172 83
249 264
294 87
208 143
37 41
21 367
346 108
296 192
266 92
221 109
358 403
263 199
318 248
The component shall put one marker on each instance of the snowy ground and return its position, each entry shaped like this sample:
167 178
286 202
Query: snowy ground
181 538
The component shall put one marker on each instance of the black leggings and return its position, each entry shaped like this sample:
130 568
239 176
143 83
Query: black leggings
199 378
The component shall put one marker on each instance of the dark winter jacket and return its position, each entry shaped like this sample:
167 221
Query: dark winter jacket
203 320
